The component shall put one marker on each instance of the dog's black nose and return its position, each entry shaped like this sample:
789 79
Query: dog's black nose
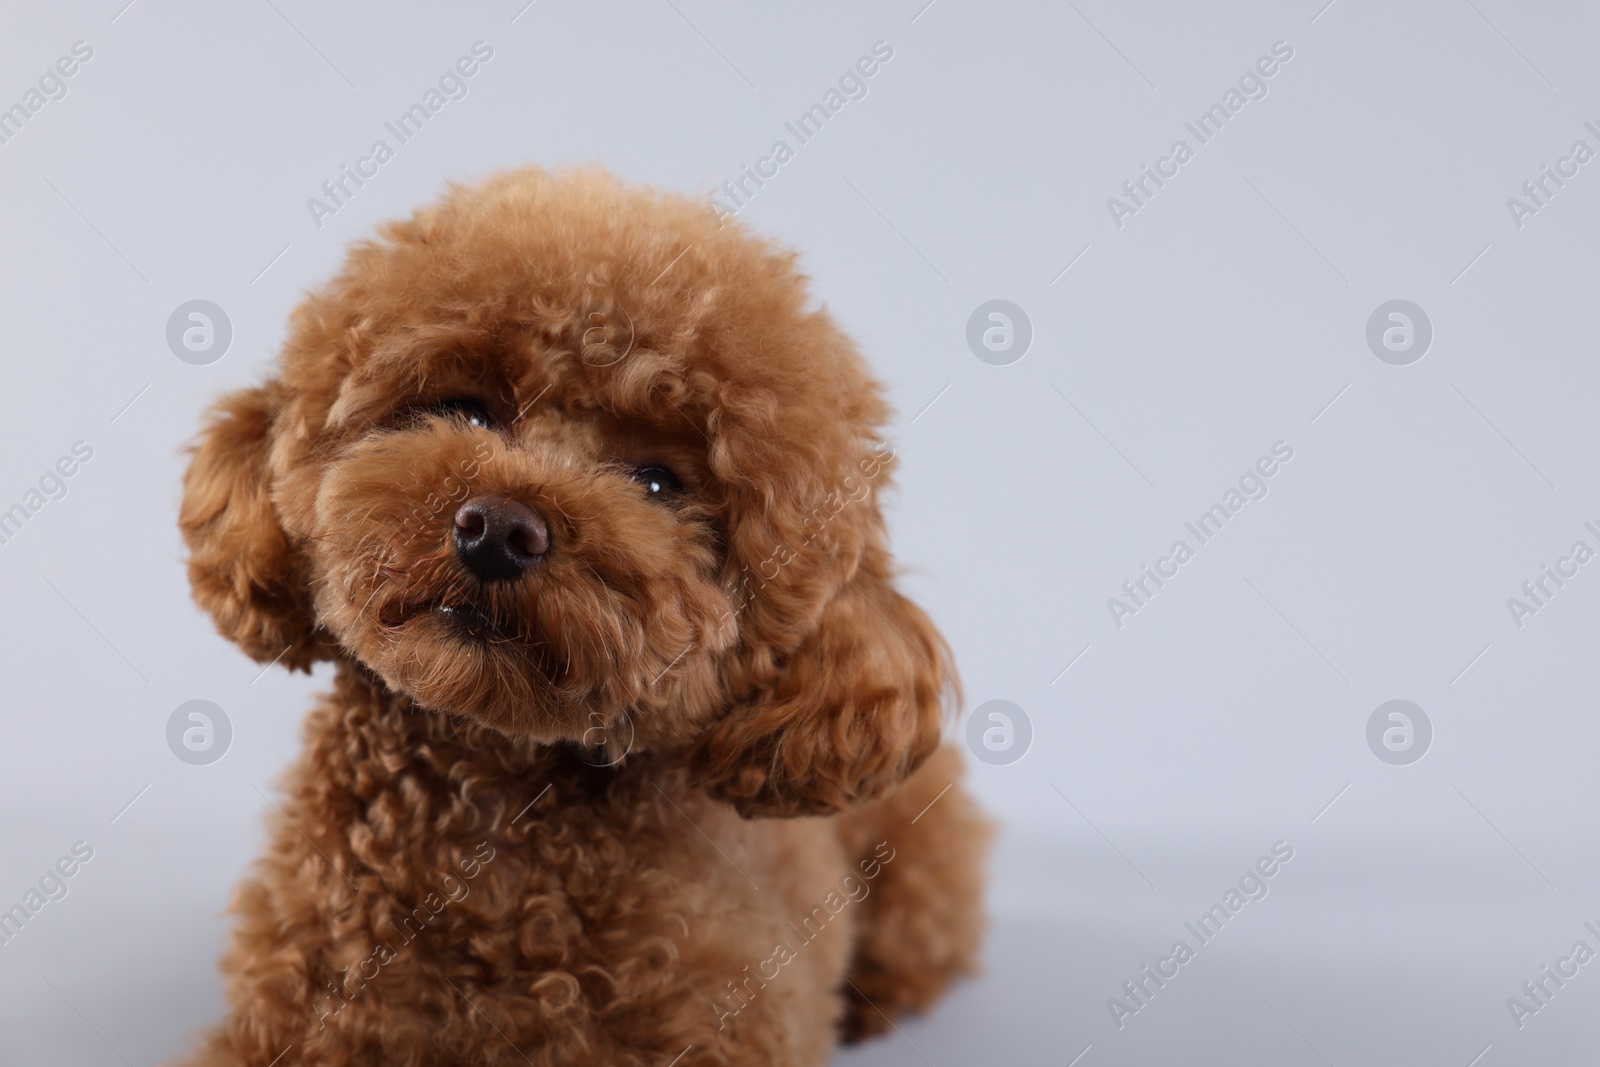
497 539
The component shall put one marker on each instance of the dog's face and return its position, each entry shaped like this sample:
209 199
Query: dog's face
492 540
570 459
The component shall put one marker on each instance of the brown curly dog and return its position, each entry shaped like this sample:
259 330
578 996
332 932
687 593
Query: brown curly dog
633 750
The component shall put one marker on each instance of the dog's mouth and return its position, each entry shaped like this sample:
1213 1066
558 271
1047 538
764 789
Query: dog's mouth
540 656
467 621
456 616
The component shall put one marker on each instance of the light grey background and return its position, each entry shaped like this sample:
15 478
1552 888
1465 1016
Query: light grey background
1228 314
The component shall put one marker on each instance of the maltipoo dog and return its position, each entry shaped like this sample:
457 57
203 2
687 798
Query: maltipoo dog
633 750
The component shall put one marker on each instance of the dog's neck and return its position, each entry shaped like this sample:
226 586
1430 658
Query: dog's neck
372 739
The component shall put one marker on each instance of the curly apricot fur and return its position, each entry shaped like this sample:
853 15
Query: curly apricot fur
577 832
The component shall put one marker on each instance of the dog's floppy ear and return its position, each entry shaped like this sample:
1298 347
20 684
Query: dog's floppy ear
852 711
243 569
840 680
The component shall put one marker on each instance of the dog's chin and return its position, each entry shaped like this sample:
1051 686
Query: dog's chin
559 659
453 658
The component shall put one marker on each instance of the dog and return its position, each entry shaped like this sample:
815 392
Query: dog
633 751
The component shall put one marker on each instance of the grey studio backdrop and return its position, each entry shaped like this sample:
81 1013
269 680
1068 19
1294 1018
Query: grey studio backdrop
1166 743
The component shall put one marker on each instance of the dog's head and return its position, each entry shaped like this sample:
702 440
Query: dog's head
563 456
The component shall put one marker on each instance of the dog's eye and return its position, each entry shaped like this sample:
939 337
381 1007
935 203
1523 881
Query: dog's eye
658 481
464 407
